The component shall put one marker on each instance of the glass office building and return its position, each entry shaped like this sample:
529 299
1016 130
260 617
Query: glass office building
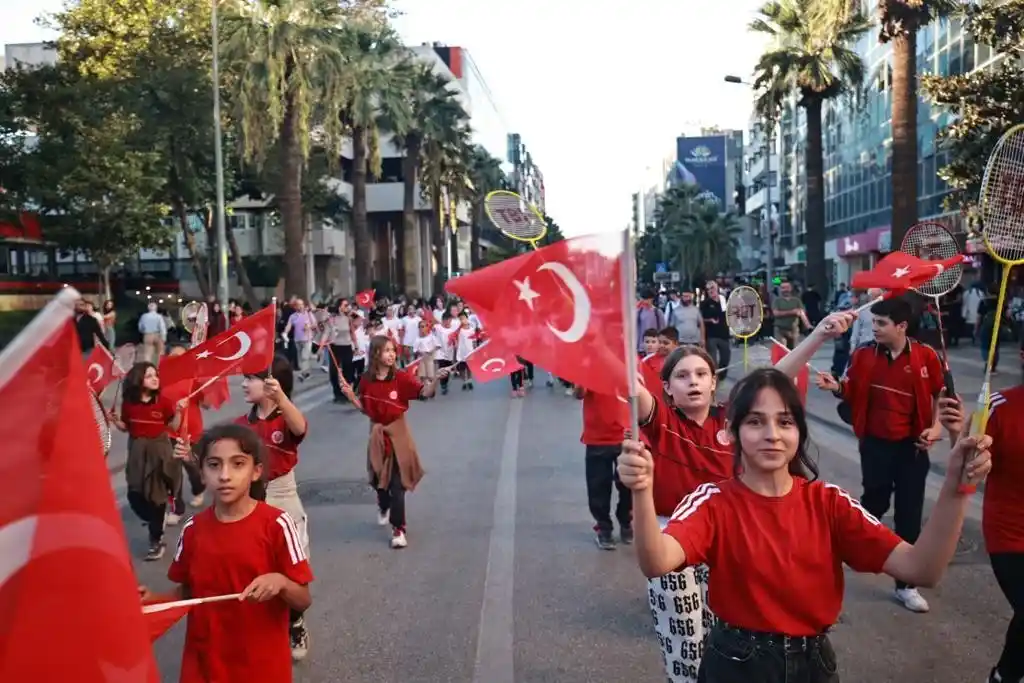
858 157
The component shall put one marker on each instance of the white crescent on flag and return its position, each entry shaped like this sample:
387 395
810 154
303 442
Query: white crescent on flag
581 306
244 344
99 373
494 365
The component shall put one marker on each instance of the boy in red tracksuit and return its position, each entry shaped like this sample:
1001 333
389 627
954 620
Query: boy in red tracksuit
892 386
605 421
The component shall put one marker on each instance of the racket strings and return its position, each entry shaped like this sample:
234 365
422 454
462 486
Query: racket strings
1002 199
744 313
515 217
933 242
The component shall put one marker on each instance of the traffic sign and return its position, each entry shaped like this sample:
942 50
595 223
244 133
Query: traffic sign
660 267
662 277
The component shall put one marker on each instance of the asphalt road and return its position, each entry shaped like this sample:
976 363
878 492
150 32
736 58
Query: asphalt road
502 582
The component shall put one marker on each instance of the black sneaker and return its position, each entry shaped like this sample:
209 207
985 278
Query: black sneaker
604 539
626 534
156 551
299 639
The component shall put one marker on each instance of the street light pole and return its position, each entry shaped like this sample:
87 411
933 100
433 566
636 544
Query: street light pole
769 127
218 155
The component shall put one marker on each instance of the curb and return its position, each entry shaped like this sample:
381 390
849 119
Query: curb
937 468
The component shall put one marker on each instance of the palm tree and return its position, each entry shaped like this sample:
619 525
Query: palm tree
434 111
375 104
445 171
486 175
692 234
815 58
288 75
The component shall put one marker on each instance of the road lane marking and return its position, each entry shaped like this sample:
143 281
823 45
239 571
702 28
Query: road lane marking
494 644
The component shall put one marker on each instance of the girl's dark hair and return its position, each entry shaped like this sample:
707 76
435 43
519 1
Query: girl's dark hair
679 353
248 441
377 345
281 370
133 381
108 305
741 403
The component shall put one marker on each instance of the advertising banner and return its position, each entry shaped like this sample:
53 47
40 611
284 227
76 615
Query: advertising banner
703 163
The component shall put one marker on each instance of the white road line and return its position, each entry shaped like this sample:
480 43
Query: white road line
494 644
845 445
314 398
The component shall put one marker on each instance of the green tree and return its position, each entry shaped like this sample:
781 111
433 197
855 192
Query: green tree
985 103
554 233
445 168
91 173
485 175
287 77
690 235
815 59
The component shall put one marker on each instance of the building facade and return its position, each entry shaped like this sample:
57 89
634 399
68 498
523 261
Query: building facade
760 203
858 156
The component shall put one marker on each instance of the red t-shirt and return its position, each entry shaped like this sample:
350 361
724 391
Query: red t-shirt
386 400
282 446
776 564
605 419
686 454
147 420
1002 521
237 642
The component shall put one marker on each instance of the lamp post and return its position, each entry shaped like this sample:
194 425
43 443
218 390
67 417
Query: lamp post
218 156
769 126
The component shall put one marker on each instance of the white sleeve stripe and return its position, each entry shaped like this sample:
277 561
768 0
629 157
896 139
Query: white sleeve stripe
855 504
692 502
181 539
291 538
295 535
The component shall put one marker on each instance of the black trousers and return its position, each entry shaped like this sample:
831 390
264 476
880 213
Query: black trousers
342 354
720 351
517 380
895 470
151 514
358 368
601 477
734 655
527 370
195 481
1009 571
391 498
445 364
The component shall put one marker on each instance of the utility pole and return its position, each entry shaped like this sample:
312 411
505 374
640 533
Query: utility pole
770 243
218 154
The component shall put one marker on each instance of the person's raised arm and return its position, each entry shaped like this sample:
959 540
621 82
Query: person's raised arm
832 327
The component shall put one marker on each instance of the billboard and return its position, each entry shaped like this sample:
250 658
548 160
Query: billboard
701 161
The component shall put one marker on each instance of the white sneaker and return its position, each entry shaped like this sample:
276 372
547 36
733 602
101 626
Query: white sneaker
398 540
197 501
172 519
569 392
911 599
383 518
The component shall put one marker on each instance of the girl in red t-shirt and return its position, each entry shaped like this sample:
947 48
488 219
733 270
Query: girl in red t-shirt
392 461
775 538
238 545
151 470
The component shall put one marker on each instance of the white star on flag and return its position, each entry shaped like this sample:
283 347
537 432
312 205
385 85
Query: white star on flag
526 293
900 272
204 354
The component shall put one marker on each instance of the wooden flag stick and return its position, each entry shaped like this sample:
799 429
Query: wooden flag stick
164 606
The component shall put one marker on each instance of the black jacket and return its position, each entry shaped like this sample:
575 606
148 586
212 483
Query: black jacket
89 331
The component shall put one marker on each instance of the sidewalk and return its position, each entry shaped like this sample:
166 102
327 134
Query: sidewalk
229 411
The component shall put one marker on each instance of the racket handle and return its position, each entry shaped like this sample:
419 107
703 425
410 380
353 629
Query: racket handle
947 378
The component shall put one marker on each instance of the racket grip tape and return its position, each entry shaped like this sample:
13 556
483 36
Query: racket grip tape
965 487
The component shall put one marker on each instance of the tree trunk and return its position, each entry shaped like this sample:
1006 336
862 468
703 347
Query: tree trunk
437 240
241 272
105 282
453 235
476 221
904 135
193 252
289 202
360 221
815 240
409 278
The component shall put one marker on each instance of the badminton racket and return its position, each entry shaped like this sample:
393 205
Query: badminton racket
933 242
124 359
515 217
1002 230
744 314
102 422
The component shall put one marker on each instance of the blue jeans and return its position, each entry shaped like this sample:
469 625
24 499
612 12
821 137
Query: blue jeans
733 655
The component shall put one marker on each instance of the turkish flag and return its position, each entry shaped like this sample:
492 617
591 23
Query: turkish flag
245 348
490 361
802 380
559 307
217 394
99 368
69 601
366 298
161 621
900 272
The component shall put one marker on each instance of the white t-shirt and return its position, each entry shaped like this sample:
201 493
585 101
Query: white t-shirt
465 344
362 344
447 350
411 330
438 315
393 328
426 346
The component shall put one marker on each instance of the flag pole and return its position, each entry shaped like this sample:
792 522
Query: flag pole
629 331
